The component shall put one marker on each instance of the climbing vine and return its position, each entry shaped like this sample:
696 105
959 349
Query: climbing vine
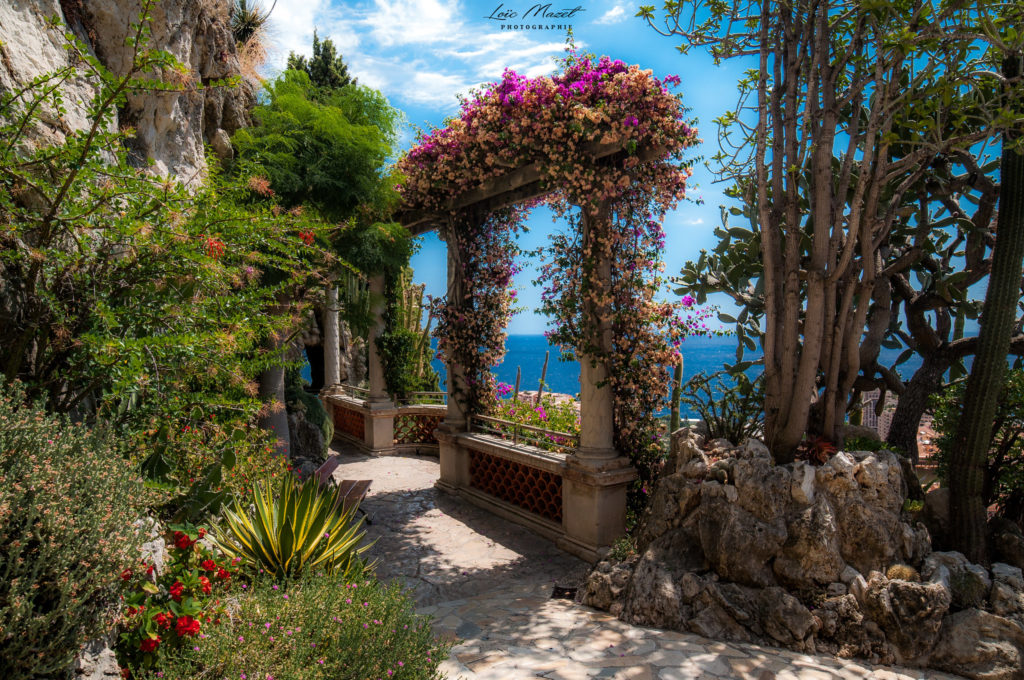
471 320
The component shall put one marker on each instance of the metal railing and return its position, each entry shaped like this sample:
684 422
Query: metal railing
355 392
517 433
427 398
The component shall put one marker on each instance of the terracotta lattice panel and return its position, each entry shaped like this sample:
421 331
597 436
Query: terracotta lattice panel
535 490
416 429
349 421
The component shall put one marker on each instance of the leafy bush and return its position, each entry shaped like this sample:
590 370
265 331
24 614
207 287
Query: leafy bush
303 527
317 627
166 611
201 464
67 503
1004 471
731 409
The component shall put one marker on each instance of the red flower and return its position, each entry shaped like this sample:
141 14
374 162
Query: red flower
187 626
214 248
126 574
202 532
209 565
149 570
126 673
307 237
182 541
149 644
176 590
223 574
164 620
205 583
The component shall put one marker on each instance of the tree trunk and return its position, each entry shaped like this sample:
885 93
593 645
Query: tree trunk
912 404
970 452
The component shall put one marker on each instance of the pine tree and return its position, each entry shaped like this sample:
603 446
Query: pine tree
326 69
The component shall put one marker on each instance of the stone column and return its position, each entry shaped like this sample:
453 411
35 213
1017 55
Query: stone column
331 339
454 473
380 421
596 477
597 431
378 389
456 374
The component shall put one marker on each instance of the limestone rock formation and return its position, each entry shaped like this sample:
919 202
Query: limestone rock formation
977 644
171 127
737 548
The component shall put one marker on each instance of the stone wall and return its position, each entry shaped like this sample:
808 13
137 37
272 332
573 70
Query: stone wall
815 558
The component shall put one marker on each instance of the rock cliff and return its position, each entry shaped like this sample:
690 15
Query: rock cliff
171 127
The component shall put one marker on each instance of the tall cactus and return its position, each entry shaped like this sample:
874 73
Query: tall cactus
970 452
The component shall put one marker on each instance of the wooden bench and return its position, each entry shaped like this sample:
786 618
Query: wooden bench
353 491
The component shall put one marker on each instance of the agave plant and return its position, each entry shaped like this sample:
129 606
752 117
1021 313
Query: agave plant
301 527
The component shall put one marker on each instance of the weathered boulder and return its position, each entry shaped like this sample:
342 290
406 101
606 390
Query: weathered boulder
969 583
981 646
935 515
674 498
96 661
605 584
738 545
685 446
1007 542
1006 598
810 556
909 613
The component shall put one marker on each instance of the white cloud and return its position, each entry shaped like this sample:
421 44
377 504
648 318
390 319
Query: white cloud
416 51
408 22
695 222
613 16
435 89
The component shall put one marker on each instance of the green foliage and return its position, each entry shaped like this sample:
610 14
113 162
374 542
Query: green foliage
1004 470
330 154
404 346
730 410
326 70
319 627
67 502
201 464
299 400
128 295
301 528
167 610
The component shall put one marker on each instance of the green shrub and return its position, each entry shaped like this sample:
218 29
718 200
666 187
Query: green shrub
731 410
318 627
173 608
67 502
302 527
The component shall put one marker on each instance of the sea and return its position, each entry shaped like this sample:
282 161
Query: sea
700 355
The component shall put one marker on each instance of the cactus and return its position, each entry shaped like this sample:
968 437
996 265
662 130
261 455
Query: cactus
974 433
902 572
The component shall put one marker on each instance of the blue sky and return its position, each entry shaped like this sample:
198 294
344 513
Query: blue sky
421 53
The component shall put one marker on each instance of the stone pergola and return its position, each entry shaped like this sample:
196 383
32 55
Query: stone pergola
578 499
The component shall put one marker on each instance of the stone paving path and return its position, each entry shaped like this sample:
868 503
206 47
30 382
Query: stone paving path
488 585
